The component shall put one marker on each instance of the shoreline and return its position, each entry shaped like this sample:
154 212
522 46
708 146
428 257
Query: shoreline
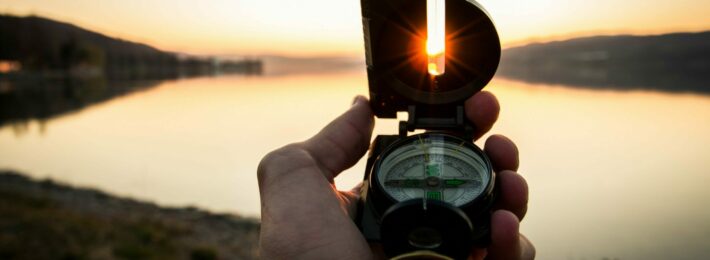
43 219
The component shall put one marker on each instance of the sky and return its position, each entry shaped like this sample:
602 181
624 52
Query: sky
333 27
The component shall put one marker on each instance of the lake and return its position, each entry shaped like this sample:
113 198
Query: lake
612 174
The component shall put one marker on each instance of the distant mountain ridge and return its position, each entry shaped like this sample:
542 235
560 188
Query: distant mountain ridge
41 44
34 31
45 45
670 62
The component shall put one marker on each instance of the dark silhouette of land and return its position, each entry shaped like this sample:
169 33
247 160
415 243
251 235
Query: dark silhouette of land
47 220
49 68
48 47
677 62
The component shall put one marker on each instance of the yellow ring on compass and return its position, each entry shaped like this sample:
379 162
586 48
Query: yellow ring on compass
421 254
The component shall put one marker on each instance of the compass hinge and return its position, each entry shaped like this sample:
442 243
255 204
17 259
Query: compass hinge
420 118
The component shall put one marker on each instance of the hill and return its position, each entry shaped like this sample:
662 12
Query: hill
670 62
52 47
41 44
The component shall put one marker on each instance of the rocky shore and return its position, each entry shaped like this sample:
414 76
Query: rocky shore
47 220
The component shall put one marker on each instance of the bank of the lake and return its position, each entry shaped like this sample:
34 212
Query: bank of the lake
43 219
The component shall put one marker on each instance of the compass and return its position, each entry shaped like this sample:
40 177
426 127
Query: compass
432 192
433 167
427 195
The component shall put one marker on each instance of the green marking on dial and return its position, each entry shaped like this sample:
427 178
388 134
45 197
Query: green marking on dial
454 182
434 195
433 169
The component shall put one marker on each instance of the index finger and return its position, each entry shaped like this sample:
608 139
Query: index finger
482 111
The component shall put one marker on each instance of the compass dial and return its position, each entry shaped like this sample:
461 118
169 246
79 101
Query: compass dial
434 167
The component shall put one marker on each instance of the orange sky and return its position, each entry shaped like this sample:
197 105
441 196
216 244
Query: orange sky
333 27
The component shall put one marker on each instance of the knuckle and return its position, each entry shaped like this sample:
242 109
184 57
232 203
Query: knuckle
532 252
278 160
528 249
273 158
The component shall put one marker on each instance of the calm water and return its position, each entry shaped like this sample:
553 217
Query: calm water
611 174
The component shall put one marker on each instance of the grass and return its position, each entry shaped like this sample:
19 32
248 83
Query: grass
44 220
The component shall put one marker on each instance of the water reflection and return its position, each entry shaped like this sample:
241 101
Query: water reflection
612 174
42 99
667 77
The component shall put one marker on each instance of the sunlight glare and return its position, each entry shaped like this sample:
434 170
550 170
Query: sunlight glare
436 34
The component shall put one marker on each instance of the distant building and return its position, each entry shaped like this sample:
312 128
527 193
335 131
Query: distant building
9 66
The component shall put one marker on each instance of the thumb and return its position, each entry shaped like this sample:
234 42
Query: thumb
342 142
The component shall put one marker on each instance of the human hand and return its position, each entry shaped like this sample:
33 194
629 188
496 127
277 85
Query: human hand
304 216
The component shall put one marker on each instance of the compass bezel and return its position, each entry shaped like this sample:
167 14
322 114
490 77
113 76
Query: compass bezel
385 200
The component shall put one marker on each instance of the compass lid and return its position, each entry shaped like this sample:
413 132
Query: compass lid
395 43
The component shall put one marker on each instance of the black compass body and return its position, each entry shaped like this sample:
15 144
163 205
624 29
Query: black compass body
427 194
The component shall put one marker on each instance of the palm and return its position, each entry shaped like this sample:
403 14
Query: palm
314 221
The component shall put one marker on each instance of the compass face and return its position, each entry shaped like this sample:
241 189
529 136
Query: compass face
434 167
